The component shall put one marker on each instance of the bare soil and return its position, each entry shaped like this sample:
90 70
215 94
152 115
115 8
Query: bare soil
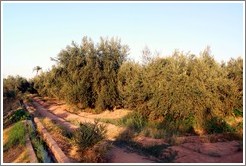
64 118
190 149
197 149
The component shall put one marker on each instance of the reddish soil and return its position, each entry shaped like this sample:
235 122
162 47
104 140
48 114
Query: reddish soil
192 149
64 118
196 149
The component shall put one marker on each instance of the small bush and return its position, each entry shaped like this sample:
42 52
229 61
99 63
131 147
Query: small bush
218 125
88 134
20 114
238 113
16 136
135 121
10 94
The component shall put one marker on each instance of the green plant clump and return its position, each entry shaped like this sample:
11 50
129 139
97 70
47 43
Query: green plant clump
88 134
238 113
16 135
20 114
218 125
135 121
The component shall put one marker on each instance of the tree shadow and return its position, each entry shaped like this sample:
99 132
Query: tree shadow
156 153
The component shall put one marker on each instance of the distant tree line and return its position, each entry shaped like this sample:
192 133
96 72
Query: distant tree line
14 87
180 92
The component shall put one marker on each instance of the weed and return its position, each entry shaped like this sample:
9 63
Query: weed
88 134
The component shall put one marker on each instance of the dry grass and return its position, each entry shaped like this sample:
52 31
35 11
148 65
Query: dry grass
57 134
94 154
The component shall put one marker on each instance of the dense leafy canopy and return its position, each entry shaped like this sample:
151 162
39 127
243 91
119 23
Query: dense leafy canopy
182 92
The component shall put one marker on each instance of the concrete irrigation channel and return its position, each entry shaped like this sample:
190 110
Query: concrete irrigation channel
56 151
31 153
115 153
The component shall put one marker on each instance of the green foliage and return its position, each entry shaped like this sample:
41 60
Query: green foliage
131 85
135 121
37 69
14 86
16 135
180 92
218 125
41 151
15 116
88 134
18 115
238 113
85 75
39 145
234 70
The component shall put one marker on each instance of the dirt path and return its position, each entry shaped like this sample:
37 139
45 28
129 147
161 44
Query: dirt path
72 120
116 154
193 150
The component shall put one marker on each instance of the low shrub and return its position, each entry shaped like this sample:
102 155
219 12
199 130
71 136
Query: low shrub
19 114
135 121
88 134
218 125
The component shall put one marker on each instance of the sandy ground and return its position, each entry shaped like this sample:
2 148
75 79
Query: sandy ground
193 150
64 118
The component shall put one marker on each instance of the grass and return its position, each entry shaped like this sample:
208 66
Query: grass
52 127
87 153
39 146
16 135
134 121
40 150
111 121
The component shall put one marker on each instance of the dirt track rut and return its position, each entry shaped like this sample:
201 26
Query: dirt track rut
193 152
64 118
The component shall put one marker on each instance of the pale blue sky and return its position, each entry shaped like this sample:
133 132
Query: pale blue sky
34 32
